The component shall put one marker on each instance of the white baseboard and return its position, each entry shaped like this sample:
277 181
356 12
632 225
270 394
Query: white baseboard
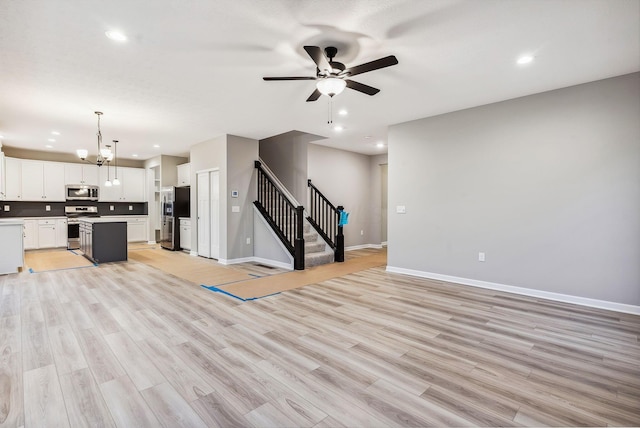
151 242
583 301
363 246
193 253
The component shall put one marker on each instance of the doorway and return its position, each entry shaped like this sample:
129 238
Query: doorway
208 191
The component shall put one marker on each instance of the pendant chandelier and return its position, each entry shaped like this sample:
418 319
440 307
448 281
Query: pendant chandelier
104 155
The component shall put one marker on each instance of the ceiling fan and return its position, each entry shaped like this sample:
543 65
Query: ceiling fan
332 76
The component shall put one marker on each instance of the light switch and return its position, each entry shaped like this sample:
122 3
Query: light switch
7 208
401 209
235 208
130 207
111 207
47 207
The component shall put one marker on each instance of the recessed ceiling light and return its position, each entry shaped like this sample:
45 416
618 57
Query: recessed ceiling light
366 137
338 128
525 59
1 136
51 140
49 146
116 35
156 146
134 155
343 112
381 145
55 133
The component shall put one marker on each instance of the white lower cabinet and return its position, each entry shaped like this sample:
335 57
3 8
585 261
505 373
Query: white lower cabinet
30 234
46 233
61 232
136 229
185 234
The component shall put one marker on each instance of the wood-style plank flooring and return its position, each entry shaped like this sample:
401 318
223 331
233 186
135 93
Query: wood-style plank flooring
127 345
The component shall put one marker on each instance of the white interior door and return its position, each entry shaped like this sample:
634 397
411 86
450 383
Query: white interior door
208 191
204 215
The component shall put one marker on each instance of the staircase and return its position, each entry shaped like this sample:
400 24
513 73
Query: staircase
307 239
316 250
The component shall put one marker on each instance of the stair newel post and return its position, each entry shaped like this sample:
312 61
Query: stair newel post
298 258
339 254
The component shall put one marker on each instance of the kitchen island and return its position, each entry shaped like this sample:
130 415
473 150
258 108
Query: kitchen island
11 245
103 240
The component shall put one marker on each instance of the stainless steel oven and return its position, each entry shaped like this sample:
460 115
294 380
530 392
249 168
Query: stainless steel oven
73 224
81 192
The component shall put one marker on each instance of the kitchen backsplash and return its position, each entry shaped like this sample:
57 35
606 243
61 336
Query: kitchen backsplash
56 209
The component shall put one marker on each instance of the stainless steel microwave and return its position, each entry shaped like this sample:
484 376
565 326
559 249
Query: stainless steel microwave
81 192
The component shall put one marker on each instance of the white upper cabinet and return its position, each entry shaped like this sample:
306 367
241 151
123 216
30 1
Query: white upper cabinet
184 174
76 173
13 179
42 181
132 185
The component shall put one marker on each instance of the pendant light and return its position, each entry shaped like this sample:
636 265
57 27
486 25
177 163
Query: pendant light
115 181
104 154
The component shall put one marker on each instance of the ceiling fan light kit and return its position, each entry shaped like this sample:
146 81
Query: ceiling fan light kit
332 76
331 86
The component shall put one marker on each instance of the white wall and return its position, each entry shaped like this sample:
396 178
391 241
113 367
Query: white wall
548 186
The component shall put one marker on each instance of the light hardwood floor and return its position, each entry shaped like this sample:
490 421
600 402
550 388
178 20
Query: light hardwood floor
126 345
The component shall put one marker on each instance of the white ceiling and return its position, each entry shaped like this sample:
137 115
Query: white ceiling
192 69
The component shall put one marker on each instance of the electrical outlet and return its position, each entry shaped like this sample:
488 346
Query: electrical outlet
362 233
7 208
480 257
47 207
111 207
248 241
401 209
235 208
130 207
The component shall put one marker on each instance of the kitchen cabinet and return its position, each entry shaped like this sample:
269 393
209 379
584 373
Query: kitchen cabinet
11 250
13 179
137 227
42 181
132 185
185 233
81 174
103 240
30 234
184 174
61 232
46 233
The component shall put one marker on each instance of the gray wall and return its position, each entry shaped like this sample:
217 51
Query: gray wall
548 186
286 156
209 155
376 233
241 154
346 178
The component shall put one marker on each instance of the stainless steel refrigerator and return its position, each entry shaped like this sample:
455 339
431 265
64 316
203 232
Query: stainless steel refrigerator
175 204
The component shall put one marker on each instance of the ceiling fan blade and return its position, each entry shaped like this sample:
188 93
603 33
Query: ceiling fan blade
318 57
370 66
314 96
288 78
360 87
